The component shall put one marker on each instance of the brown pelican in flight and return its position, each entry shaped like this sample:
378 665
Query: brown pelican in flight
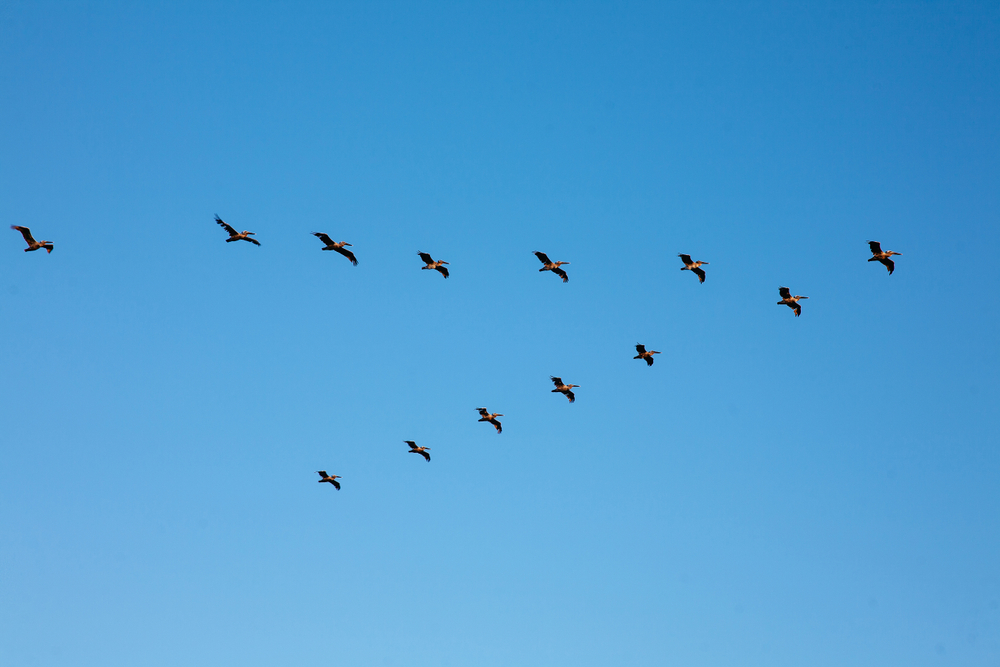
549 265
431 264
879 256
693 267
419 450
339 247
32 243
485 416
235 235
648 356
330 478
566 389
791 301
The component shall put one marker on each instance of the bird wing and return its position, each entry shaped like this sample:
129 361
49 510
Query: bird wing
562 274
226 226
640 348
412 444
426 456
348 254
785 293
649 360
483 412
700 273
876 247
25 232
443 270
336 484
798 309
889 264
323 237
427 258
571 396
253 241
542 257
686 259
322 473
556 381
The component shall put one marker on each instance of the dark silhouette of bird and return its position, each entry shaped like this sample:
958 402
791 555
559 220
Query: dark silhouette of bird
32 243
419 450
566 389
338 247
330 478
549 265
431 264
235 235
485 416
791 301
693 267
648 356
879 256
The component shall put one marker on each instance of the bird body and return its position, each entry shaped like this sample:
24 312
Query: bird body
336 247
431 264
549 265
32 243
419 450
332 479
643 354
485 416
235 235
693 267
884 257
791 301
562 388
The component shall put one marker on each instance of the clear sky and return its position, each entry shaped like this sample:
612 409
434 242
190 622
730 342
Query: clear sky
774 491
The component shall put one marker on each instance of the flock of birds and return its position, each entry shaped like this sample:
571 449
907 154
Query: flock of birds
787 299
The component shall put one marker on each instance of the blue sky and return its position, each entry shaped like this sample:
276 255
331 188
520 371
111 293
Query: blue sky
775 491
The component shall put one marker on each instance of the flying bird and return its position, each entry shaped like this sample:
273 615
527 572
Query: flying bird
32 243
879 256
235 235
791 301
648 356
330 478
485 416
693 267
566 389
549 265
339 247
431 264
419 450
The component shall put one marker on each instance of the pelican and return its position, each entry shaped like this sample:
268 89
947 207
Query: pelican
234 235
485 416
419 450
32 243
791 301
330 478
339 247
549 265
431 264
879 256
693 267
566 389
648 356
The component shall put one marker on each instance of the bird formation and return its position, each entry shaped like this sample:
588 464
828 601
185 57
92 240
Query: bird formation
787 299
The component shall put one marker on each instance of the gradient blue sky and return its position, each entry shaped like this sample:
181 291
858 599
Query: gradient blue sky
775 491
